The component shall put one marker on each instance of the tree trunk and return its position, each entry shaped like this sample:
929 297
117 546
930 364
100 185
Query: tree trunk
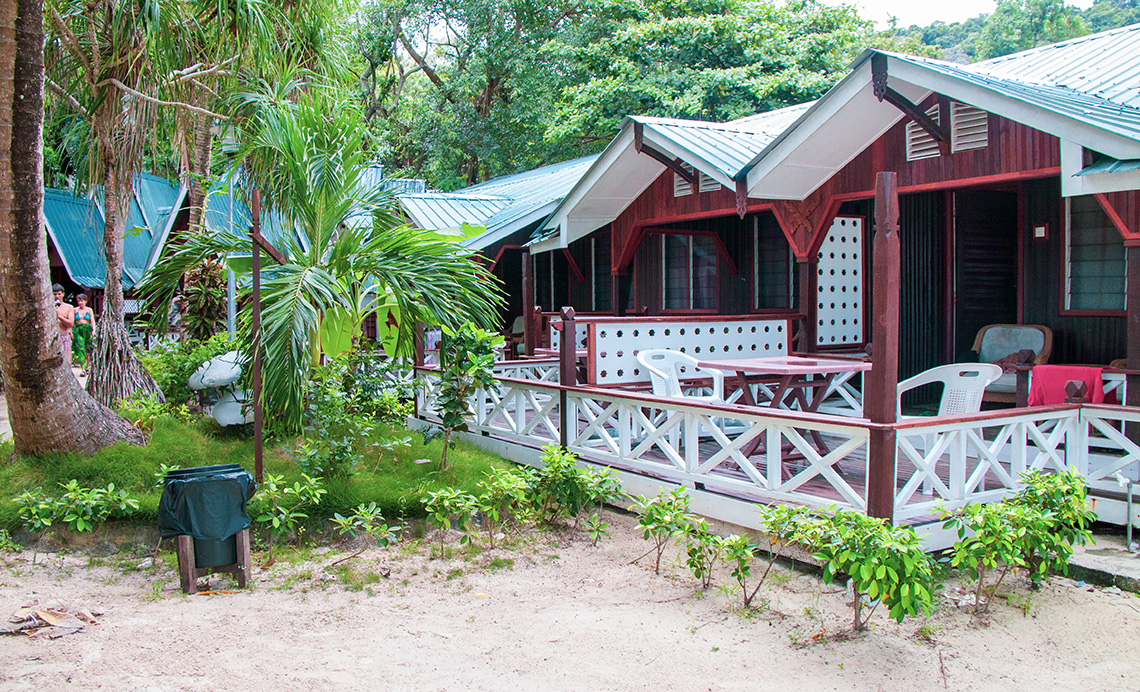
116 372
48 410
201 143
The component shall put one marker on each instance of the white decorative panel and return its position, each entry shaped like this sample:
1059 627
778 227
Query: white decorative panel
617 344
556 334
840 284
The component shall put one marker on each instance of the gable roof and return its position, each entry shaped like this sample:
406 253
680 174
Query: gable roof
1085 91
504 205
621 173
74 224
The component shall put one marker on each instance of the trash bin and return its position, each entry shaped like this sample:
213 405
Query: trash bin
207 503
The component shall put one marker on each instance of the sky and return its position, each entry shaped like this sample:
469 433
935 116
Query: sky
923 12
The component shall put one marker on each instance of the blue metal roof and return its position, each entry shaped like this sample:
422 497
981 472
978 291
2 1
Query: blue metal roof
225 212
75 226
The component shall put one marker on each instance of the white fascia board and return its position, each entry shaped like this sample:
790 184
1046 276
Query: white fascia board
482 241
666 145
1073 184
803 129
1061 126
164 234
548 245
589 180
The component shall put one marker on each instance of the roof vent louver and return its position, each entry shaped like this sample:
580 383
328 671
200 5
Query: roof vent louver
919 143
681 186
969 127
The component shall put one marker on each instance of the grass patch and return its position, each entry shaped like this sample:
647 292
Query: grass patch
395 484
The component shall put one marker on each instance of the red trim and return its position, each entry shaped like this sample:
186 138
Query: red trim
637 230
1113 216
573 266
789 316
720 248
499 255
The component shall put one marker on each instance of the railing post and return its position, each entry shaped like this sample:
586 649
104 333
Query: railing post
880 400
567 374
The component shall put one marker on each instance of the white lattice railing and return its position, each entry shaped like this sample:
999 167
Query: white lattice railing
947 465
697 445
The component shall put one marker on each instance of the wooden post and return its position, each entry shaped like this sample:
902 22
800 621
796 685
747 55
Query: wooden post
256 328
529 326
880 395
1132 386
567 372
808 300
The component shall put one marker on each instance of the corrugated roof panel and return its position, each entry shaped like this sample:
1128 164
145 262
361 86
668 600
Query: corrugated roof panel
436 211
75 225
220 217
158 197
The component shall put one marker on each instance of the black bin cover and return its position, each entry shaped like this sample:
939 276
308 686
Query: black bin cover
205 502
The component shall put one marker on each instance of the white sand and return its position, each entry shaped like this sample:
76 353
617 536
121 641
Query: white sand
565 616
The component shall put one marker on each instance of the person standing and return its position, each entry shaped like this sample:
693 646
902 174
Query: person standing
84 329
65 314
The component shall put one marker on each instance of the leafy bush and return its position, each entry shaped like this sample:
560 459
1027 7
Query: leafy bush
79 507
703 550
279 504
503 495
204 299
1063 496
172 364
466 358
448 505
662 518
144 411
886 564
368 520
560 490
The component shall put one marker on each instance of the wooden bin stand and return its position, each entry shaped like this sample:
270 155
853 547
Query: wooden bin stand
188 572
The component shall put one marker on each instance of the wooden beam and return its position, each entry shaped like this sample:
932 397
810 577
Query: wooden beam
742 197
577 271
883 92
263 243
674 165
529 325
880 397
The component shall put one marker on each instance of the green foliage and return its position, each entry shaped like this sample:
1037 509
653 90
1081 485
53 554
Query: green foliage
172 364
560 490
1033 531
466 358
662 518
597 528
79 508
503 495
886 564
1018 25
7 544
703 550
279 504
203 305
447 506
37 512
368 520
145 411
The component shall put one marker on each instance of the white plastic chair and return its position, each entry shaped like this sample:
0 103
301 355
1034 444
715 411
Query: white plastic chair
666 368
964 384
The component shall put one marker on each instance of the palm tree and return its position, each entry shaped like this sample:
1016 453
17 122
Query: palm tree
350 241
48 410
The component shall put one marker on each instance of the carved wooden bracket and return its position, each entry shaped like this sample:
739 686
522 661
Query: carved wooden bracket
690 176
885 93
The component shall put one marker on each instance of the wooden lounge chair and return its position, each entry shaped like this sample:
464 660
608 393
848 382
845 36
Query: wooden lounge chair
996 341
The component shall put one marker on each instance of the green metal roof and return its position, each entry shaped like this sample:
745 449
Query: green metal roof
75 226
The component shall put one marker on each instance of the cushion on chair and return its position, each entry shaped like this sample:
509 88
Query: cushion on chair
1001 340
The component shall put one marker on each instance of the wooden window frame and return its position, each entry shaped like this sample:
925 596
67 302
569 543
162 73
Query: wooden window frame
717 246
1066 234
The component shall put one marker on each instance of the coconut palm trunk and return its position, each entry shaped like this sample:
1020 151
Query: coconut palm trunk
47 408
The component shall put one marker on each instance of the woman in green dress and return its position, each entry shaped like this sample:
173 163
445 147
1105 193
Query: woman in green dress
84 329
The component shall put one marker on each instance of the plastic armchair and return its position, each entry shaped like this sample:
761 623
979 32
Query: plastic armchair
964 385
666 368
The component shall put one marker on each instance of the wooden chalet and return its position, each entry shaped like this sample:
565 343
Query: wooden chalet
1014 184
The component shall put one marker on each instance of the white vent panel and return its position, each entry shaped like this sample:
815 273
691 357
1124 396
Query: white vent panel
919 143
839 307
969 127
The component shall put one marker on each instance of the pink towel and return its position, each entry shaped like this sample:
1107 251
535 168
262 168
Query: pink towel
1047 386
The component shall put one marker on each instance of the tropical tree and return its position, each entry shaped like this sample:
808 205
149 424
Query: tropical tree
344 237
47 408
1018 25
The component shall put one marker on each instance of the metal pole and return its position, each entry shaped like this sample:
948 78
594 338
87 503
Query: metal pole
256 328
231 303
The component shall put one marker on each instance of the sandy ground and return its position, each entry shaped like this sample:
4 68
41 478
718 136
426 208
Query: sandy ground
548 613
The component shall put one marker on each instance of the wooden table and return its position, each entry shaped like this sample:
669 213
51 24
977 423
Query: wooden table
794 373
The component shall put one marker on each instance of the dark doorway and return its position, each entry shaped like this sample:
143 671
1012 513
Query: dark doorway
985 263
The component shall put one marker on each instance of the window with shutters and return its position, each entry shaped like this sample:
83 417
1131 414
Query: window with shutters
689 278
969 127
1095 266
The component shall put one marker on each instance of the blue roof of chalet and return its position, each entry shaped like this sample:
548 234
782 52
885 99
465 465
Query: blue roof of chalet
75 225
504 205
228 212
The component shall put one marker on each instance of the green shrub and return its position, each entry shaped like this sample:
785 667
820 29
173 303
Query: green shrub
466 357
560 490
447 506
662 518
172 364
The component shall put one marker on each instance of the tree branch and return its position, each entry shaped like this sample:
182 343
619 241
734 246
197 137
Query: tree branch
431 75
71 100
71 41
160 102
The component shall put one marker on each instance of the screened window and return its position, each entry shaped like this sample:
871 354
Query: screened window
772 275
1095 267
601 279
688 272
